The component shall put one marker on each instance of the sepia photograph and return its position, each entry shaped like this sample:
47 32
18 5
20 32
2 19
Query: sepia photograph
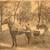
24 24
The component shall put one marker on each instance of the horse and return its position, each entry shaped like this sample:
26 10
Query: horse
14 33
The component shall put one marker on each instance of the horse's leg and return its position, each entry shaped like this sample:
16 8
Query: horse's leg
13 34
28 37
15 41
12 39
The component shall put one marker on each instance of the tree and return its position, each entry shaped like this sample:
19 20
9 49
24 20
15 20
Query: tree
1 14
42 15
6 12
25 12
